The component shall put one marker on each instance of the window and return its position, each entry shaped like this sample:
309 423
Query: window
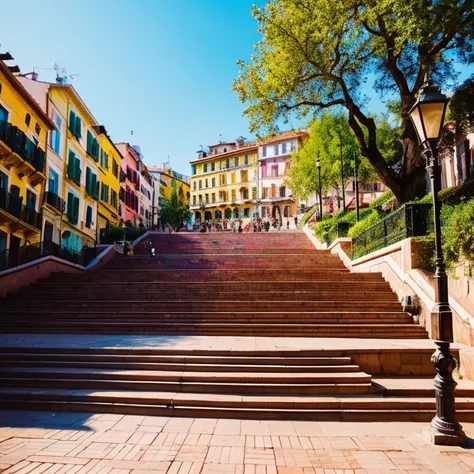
142 212
243 176
213 196
254 193
88 217
200 198
236 161
75 124
232 177
275 149
246 212
92 183
92 147
234 195
113 198
3 180
37 129
194 199
284 147
227 163
293 145
207 198
246 160
213 182
53 181
200 184
264 151
205 168
264 170
282 191
74 168
213 166
104 159
207 183
72 209
28 119
194 185
223 179
115 168
104 192
30 199
55 136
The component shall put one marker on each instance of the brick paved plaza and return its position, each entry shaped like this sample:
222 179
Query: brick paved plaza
49 442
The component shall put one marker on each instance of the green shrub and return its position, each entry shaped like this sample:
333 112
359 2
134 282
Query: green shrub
458 233
380 201
427 260
452 196
369 220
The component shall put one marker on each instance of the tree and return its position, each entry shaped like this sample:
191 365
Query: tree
462 106
318 54
325 136
175 211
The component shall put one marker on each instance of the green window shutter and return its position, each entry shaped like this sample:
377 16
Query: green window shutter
78 127
89 142
88 180
77 169
70 164
70 205
76 208
96 186
72 121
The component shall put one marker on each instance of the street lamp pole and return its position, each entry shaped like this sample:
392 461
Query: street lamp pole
342 175
318 166
356 185
427 116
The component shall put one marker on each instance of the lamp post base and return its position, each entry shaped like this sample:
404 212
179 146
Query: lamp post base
446 434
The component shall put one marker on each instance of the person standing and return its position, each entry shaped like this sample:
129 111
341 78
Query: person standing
296 221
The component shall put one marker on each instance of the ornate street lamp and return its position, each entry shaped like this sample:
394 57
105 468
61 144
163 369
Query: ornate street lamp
318 165
427 116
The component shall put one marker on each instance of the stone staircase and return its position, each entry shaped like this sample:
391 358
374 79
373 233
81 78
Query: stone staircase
270 284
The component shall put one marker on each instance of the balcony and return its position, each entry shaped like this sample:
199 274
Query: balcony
54 201
16 149
19 216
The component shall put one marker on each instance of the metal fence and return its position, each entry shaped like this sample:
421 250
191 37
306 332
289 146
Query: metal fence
11 258
410 220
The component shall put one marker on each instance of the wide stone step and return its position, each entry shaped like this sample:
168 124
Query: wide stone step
188 386
124 356
187 376
373 408
232 307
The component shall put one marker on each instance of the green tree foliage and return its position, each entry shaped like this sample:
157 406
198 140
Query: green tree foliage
175 211
325 136
462 106
317 54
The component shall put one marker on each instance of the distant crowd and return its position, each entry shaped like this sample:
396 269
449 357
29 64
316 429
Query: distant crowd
237 225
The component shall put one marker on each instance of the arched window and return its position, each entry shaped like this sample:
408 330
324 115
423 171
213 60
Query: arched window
218 214
27 119
228 213
236 213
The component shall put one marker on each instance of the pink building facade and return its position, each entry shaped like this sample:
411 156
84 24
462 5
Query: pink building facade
129 184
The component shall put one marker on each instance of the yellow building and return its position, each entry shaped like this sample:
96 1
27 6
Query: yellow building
224 182
109 166
24 129
74 175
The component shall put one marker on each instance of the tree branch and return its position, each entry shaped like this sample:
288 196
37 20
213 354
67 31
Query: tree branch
320 105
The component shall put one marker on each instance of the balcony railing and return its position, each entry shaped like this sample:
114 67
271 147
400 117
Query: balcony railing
54 200
12 258
20 144
12 205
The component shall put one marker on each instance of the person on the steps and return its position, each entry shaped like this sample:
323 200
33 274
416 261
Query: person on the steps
296 221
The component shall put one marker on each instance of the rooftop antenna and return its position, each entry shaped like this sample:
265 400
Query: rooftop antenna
62 75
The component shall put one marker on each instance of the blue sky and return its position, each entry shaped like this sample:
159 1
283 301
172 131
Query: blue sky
162 68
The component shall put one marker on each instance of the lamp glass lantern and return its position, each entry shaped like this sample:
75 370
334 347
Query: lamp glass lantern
318 162
428 113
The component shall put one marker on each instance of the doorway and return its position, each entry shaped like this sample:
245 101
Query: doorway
14 254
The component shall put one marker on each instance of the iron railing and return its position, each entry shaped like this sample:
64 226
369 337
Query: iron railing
410 220
13 205
54 200
11 258
22 145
